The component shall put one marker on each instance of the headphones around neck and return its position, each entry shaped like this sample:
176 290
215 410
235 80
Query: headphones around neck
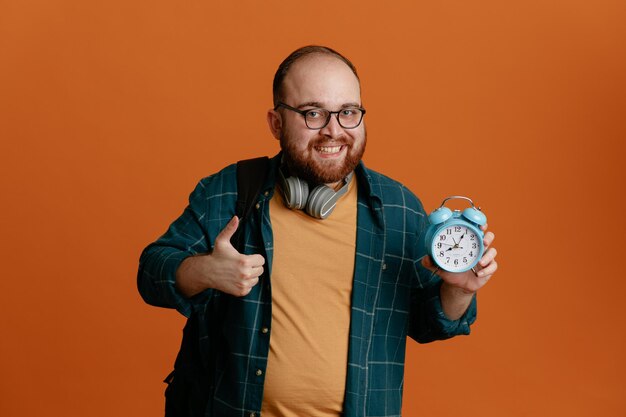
319 203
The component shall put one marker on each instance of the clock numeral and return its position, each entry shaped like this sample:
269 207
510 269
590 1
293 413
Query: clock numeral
442 237
441 254
472 237
456 262
448 231
448 260
465 259
474 245
457 228
471 254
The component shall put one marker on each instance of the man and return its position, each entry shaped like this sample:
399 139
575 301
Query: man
312 319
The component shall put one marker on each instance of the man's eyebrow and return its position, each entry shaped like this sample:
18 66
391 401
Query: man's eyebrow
319 105
310 104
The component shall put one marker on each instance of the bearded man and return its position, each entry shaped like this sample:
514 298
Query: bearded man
309 317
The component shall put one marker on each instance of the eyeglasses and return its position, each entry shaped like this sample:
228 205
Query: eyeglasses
348 118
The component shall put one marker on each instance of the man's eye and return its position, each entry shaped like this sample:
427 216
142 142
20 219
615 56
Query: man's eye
313 114
348 112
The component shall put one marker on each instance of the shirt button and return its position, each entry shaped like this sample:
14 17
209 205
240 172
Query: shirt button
259 372
258 206
384 266
253 414
266 193
264 330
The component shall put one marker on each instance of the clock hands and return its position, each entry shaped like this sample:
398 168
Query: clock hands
456 245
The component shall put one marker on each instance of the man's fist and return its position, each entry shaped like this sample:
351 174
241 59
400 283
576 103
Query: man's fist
225 269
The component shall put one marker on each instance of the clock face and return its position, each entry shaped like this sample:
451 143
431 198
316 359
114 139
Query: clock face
456 248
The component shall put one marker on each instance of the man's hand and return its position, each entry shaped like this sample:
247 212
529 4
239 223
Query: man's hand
225 269
458 289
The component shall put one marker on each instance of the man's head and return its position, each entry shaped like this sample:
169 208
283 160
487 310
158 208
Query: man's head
317 77
283 68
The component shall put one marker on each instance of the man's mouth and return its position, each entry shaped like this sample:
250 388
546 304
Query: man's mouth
328 150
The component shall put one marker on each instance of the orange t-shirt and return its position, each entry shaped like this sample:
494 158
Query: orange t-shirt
312 273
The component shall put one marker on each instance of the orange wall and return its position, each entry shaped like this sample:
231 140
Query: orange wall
111 111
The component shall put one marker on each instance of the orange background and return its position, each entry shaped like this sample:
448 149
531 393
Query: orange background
110 112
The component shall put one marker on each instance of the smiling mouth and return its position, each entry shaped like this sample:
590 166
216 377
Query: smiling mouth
327 150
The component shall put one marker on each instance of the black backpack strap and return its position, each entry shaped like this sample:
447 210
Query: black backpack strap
251 174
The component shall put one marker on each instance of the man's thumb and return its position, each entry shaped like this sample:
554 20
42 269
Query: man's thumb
228 231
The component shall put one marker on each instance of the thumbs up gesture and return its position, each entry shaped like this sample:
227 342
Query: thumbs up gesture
224 269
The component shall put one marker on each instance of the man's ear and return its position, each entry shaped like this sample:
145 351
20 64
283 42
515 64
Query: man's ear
275 123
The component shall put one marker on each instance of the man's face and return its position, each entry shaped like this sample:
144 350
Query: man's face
327 155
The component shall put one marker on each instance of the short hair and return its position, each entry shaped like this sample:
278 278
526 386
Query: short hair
299 53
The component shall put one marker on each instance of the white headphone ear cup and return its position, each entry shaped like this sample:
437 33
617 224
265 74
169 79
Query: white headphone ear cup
295 192
320 203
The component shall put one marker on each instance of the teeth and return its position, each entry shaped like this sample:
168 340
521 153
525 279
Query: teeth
329 149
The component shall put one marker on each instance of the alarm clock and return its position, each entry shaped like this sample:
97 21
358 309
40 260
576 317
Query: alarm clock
453 238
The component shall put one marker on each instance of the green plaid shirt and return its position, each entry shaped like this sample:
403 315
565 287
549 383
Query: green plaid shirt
392 296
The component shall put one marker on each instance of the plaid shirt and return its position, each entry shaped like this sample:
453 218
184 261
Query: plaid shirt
392 296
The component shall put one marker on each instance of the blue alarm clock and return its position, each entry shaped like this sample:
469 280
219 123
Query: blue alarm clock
453 238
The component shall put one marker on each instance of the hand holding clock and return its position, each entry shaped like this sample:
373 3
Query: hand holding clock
463 269
458 288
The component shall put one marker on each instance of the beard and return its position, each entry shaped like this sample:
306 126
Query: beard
307 168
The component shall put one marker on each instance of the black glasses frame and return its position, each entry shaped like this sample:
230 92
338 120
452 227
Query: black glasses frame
330 113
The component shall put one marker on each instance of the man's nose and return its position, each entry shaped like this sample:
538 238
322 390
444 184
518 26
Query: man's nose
333 129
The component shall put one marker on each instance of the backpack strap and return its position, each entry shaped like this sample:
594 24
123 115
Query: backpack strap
251 174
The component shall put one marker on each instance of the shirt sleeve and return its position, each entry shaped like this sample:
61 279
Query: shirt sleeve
428 322
160 260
